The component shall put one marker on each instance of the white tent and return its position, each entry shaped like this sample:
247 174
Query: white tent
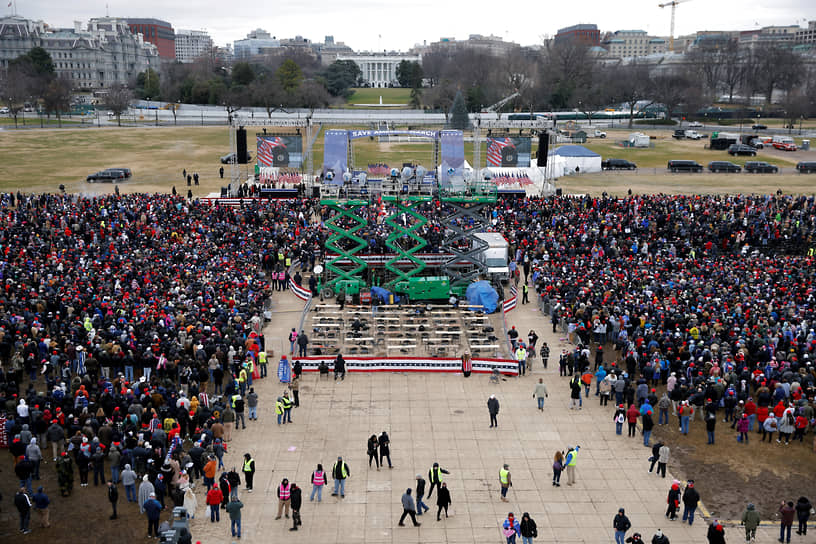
572 159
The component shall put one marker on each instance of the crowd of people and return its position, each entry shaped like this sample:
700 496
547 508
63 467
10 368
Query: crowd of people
117 312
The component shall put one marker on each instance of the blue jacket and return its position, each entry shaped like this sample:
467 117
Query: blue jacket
41 500
516 525
153 508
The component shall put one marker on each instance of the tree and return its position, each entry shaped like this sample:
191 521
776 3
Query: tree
416 98
409 74
40 61
779 68
289 75
475 98
340 76
313 95
148 85
266 92
632 84
570 64
671 89
441 96
15 85
57 97
242 74
458 118
118 100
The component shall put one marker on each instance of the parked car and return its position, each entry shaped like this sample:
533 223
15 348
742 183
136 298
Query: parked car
741 149
693 135
600 133
617 164
679 134
695 124
806 167
685 166
759 127
125 171
4 111
229 158
110 175
723 166
760 167
785 146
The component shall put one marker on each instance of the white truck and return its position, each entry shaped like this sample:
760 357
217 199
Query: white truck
693 135
495 255
600 133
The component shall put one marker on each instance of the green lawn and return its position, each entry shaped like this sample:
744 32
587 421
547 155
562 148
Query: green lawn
372 96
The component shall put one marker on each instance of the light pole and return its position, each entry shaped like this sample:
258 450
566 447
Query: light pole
148 103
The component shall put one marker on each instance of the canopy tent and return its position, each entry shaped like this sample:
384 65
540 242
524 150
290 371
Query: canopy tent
573 159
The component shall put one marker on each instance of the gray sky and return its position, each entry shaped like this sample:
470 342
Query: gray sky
360 23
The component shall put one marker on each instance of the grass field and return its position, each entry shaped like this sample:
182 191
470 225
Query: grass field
41 160
372 96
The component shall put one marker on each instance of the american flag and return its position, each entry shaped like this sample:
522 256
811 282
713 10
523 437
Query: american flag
494 156
299 292
510 303
266 149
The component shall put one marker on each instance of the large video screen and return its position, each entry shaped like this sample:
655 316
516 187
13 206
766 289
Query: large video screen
508 152
284 151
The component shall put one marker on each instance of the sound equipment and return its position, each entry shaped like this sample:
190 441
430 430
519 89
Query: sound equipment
509 156
315 191
241 145
559 192
543 149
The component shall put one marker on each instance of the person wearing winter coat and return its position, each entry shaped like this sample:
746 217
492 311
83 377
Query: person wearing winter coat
129 481
786 515
621 524
803 508
34 455
373 444
297 501
493 408
190 503
690 500
716 533
662 460
443 500
743 424
660 538
145 491
673 501
750 519
214 499
528 529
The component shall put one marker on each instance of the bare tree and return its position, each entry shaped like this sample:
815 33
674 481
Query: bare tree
671 90
57 97
632 84
571 64
313 95
780 68
266 92
118 100
733 69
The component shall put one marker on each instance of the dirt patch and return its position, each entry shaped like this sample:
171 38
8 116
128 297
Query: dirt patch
729 474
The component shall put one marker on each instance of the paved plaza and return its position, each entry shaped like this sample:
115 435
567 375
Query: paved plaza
443 418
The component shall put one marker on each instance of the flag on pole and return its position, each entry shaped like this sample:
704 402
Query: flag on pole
300 292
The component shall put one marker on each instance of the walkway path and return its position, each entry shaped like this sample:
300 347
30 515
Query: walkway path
443 418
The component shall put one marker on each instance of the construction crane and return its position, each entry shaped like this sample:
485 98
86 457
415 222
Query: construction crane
673 5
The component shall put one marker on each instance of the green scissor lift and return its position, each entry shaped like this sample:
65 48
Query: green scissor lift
347 277
401 235
468 204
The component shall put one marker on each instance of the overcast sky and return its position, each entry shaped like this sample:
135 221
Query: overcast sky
401 24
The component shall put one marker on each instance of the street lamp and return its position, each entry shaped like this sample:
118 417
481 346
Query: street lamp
148 104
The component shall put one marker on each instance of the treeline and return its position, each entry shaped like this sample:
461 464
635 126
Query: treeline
31 80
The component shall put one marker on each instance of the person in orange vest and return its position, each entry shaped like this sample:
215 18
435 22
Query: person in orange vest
284 498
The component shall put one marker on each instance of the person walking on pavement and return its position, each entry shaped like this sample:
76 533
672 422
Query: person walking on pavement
716 533
233 508
340 472
505 481
540 392
153 509
493 408
662 460
803 508
558 466
23 504
621 524
786 515
249 471
443 500
435 477
673 501
528 529
113 497
511 528
41 503
373 444
297 501
690 500
284 498
214 499
385 448
750 519
571 459
408 508
660 538
318 481
655 455
420 492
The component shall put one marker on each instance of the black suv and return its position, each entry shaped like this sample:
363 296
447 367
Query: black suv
741 149
685 166
723 166
806 167
759 127
107 176
617 164
760 167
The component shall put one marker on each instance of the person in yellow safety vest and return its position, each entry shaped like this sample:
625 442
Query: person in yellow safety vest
249 471
505 481
521 357
280 256
572 455
279 409
262 363
87 323
250 368
242 379
287 408
288 261
340 472
435 477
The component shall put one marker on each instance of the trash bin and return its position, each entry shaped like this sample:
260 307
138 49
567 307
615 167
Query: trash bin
805 145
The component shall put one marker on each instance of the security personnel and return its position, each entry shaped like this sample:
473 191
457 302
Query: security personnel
279 409
524 294
249 471
242 379
340 471
521 357
262 363
506 482
435 477
287 408
288 261
572 455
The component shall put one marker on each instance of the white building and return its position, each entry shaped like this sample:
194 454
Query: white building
255 41
633 43
379 70
104 53
191 44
